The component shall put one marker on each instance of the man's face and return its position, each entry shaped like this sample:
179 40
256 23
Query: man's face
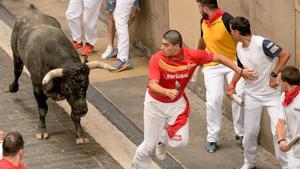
168 48
235 34
202 9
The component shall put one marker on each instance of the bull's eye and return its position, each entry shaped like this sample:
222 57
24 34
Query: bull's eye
68 90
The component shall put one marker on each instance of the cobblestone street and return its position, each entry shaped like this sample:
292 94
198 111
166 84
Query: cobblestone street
18 112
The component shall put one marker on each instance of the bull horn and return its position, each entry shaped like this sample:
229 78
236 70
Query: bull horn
98 64
52 74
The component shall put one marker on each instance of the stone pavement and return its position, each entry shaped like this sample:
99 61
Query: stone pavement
126 90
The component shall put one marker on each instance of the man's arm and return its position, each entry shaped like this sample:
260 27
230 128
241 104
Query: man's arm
231 87
284 56
156 88
245 73
201 44
280 130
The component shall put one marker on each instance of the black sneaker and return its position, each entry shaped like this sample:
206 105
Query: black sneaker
240 138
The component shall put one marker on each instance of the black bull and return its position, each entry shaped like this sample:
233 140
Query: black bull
55 68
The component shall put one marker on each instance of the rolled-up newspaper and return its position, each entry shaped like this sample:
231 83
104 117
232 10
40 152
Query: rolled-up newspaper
294 141
238 100
177 85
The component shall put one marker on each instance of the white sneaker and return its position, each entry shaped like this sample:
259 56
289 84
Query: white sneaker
247 166
107 51
160 151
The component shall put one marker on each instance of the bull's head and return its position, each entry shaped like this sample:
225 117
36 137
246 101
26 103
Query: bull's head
74 83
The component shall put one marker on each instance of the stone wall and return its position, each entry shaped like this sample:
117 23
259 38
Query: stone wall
150 24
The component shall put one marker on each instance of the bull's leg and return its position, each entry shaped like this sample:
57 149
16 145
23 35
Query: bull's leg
18 68
80 137
41 99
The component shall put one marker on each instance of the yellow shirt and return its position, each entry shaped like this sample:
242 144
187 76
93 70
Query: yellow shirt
218 40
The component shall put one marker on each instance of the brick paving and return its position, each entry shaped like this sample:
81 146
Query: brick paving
18 112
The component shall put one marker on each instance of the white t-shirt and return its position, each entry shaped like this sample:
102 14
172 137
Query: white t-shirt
291 114
259 56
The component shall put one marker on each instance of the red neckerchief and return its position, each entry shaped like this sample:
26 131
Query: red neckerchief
289 96
178 56
214 16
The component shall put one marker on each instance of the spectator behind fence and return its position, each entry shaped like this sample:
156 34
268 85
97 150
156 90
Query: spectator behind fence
13 151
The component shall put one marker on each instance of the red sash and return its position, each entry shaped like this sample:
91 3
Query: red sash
180 120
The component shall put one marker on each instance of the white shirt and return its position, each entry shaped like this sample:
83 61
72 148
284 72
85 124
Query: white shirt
259 56
291 114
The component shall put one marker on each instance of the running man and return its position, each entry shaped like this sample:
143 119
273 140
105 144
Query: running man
166 107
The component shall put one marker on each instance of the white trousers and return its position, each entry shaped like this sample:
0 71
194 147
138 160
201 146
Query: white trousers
293 162
253 109
121 17
90 9
157 116
214 77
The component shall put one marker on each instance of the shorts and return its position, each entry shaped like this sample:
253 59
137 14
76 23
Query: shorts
111 5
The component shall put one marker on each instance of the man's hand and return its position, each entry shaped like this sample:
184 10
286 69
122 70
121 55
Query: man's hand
249 74
273 82
231 90
283 145
172 93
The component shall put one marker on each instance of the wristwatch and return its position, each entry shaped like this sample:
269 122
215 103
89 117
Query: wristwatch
273 74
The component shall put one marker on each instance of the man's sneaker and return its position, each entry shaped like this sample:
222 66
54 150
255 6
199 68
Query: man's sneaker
240 138
211 147
87 50
120 65
113 54
77 45
247 166
107 51
160 151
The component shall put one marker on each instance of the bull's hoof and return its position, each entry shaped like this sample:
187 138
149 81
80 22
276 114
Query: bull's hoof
82 141
42 136
14 87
